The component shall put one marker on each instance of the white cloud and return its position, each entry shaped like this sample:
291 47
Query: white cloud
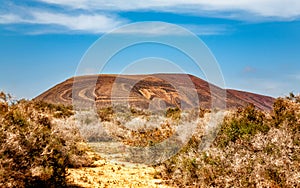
100 24
279 9
97 16
209 29
10 18
150 28
90 23
155 28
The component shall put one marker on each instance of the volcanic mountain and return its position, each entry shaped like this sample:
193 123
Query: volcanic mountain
149 91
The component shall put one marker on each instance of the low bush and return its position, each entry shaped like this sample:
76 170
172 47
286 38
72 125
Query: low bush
243 124
252 149
34 151
106 114
57 110
174 113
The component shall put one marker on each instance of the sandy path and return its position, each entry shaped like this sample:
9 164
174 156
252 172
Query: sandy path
106 174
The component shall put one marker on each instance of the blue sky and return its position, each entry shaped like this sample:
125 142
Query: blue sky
256 43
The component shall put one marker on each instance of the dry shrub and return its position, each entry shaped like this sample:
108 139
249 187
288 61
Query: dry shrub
57 110
105 114
173 113
34 152
252 149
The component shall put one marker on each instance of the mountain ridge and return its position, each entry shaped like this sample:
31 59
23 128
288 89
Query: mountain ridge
150 90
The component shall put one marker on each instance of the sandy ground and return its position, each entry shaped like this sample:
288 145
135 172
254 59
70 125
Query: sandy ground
109 174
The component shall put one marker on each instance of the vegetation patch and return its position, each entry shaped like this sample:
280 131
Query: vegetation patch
252 149
34 151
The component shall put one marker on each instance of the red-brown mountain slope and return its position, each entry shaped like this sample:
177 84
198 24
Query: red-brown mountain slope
156 91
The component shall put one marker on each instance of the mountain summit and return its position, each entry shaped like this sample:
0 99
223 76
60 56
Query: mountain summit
153 90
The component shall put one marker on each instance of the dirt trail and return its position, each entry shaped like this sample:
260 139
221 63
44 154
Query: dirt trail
107 174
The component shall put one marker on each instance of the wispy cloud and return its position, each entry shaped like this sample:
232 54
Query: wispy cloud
100 16
209 29
53 22
276 9
88 23
10 18
94 23
157 28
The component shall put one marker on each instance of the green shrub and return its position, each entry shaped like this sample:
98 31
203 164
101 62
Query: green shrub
243 124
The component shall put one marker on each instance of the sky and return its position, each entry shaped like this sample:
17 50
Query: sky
256 43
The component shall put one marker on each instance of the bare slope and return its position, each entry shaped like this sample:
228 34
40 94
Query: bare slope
156 90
